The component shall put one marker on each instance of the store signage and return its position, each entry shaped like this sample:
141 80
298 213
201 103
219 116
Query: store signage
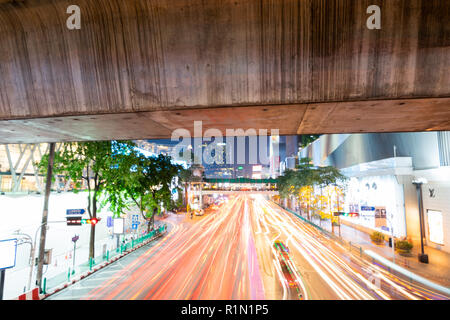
366 208
380 217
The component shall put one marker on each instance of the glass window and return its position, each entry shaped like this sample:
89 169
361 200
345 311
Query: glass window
435 226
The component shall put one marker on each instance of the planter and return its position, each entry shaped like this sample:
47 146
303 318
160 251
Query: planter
403 247
404 252
377 238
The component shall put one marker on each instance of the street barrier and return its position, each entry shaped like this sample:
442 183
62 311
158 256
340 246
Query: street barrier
31 295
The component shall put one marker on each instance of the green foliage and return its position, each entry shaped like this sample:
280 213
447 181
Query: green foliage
149 184
305 175
403 245
306 139
377 237
98 164
117 175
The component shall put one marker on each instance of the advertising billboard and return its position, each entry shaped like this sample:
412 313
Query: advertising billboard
8 249
435 226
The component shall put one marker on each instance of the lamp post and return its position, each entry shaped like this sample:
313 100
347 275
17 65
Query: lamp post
74 240
418 183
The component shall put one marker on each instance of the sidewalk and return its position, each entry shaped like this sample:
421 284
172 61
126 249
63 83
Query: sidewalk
437 270
64 279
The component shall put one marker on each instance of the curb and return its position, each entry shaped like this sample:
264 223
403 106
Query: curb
31 295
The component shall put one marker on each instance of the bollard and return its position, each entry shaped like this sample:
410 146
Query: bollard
107 255
44 286
68 275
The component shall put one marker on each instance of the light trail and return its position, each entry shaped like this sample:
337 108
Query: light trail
230 254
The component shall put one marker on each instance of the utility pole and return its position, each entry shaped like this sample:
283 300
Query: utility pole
48 185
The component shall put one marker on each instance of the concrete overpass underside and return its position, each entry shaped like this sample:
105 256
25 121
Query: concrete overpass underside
140 69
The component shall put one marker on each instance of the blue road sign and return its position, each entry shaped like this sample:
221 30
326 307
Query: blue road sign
135 217
109 222
366 208
134 226
75 211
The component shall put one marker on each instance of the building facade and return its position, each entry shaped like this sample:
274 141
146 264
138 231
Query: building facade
380 192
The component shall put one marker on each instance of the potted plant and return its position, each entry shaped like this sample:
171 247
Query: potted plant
403 247
377 237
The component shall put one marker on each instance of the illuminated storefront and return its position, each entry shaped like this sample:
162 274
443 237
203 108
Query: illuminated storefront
435 226
376 202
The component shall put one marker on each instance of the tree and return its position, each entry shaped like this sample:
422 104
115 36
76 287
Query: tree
149 185
93 165
306 139
302 181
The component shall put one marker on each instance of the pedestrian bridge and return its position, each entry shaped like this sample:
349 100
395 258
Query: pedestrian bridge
139 68
237 186
218 191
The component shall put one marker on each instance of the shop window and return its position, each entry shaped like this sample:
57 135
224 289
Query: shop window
435 226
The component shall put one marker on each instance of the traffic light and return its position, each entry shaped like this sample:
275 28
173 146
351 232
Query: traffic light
74 221
77 221
92 221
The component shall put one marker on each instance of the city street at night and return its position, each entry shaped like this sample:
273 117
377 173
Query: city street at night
225 158
228 254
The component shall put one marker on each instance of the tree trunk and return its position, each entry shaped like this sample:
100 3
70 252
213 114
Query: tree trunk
94 215
48 185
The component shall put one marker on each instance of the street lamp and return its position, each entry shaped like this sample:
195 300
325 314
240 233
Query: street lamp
418 183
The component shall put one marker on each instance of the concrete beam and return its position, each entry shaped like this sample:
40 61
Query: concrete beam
140 68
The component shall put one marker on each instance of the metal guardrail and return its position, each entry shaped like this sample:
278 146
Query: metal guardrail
89 265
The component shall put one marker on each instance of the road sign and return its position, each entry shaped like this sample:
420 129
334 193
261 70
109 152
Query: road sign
134 217
134 226
366 208
75 211
73 221
75 239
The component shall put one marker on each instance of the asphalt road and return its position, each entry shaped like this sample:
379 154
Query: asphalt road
228 254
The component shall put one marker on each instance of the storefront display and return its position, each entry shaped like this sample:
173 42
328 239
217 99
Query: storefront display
435 226
377 200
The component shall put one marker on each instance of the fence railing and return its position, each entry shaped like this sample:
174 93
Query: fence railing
105 257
